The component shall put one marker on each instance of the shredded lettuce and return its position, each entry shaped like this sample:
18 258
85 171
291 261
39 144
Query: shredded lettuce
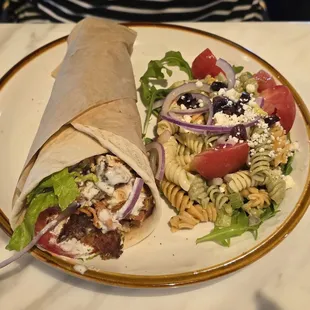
155 74
59 189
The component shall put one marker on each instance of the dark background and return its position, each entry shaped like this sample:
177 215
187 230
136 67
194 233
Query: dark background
288 10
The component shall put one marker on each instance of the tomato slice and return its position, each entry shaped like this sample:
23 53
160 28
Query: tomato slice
45 241
204 64
216 163
264 80
280 101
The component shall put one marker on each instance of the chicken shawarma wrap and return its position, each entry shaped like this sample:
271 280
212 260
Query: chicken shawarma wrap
88 153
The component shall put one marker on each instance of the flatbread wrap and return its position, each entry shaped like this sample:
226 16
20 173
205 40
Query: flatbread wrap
88 150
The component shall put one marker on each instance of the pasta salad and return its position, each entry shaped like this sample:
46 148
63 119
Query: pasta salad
222 151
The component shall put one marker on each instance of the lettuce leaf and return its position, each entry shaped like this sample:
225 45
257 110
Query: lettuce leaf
59 189
23 234
65 188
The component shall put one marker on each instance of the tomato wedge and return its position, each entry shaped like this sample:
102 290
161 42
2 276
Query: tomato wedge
43 219
264 80
204 64
216 163
280 101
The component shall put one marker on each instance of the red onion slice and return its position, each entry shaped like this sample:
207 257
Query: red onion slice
210 116
131 201
183 89
158 104
260 101
203 129
228 70
204 109
66 213
158 166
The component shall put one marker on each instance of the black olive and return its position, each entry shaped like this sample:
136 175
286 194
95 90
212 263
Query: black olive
271 119
188 100
245 97
239 132
238 109
216 86
218 103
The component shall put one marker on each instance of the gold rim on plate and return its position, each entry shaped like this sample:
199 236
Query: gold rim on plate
180 279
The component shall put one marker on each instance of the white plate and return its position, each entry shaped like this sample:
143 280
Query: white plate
164 258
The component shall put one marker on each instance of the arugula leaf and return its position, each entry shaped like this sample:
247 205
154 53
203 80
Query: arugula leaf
287 168
237 69
65 188
23 234
156 73
176 59
220 234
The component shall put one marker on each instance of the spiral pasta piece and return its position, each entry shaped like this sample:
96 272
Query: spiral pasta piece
176 196
216 196
164 125
173 171
209 141
194 142
238 181
183 150
276 189
185 160
256 198
281 145
260 162
198 191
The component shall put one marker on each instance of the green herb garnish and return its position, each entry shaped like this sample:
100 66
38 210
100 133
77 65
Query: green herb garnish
155 74
237 69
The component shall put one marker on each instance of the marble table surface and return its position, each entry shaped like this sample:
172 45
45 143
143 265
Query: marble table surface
278 281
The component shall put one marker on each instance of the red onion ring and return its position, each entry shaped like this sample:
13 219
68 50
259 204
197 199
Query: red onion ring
260 101
66 213
159 167
158 104
197 110
203 129
131 201
185 88
228 70
210 116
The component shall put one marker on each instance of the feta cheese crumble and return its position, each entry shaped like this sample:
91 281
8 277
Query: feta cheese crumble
199 84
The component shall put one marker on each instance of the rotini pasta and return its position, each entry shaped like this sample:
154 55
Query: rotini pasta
276 188
238 181
164 125
216 196
185 160
256 198
176 196
194 142
209 141
281 145
173 170
183 150
198 191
